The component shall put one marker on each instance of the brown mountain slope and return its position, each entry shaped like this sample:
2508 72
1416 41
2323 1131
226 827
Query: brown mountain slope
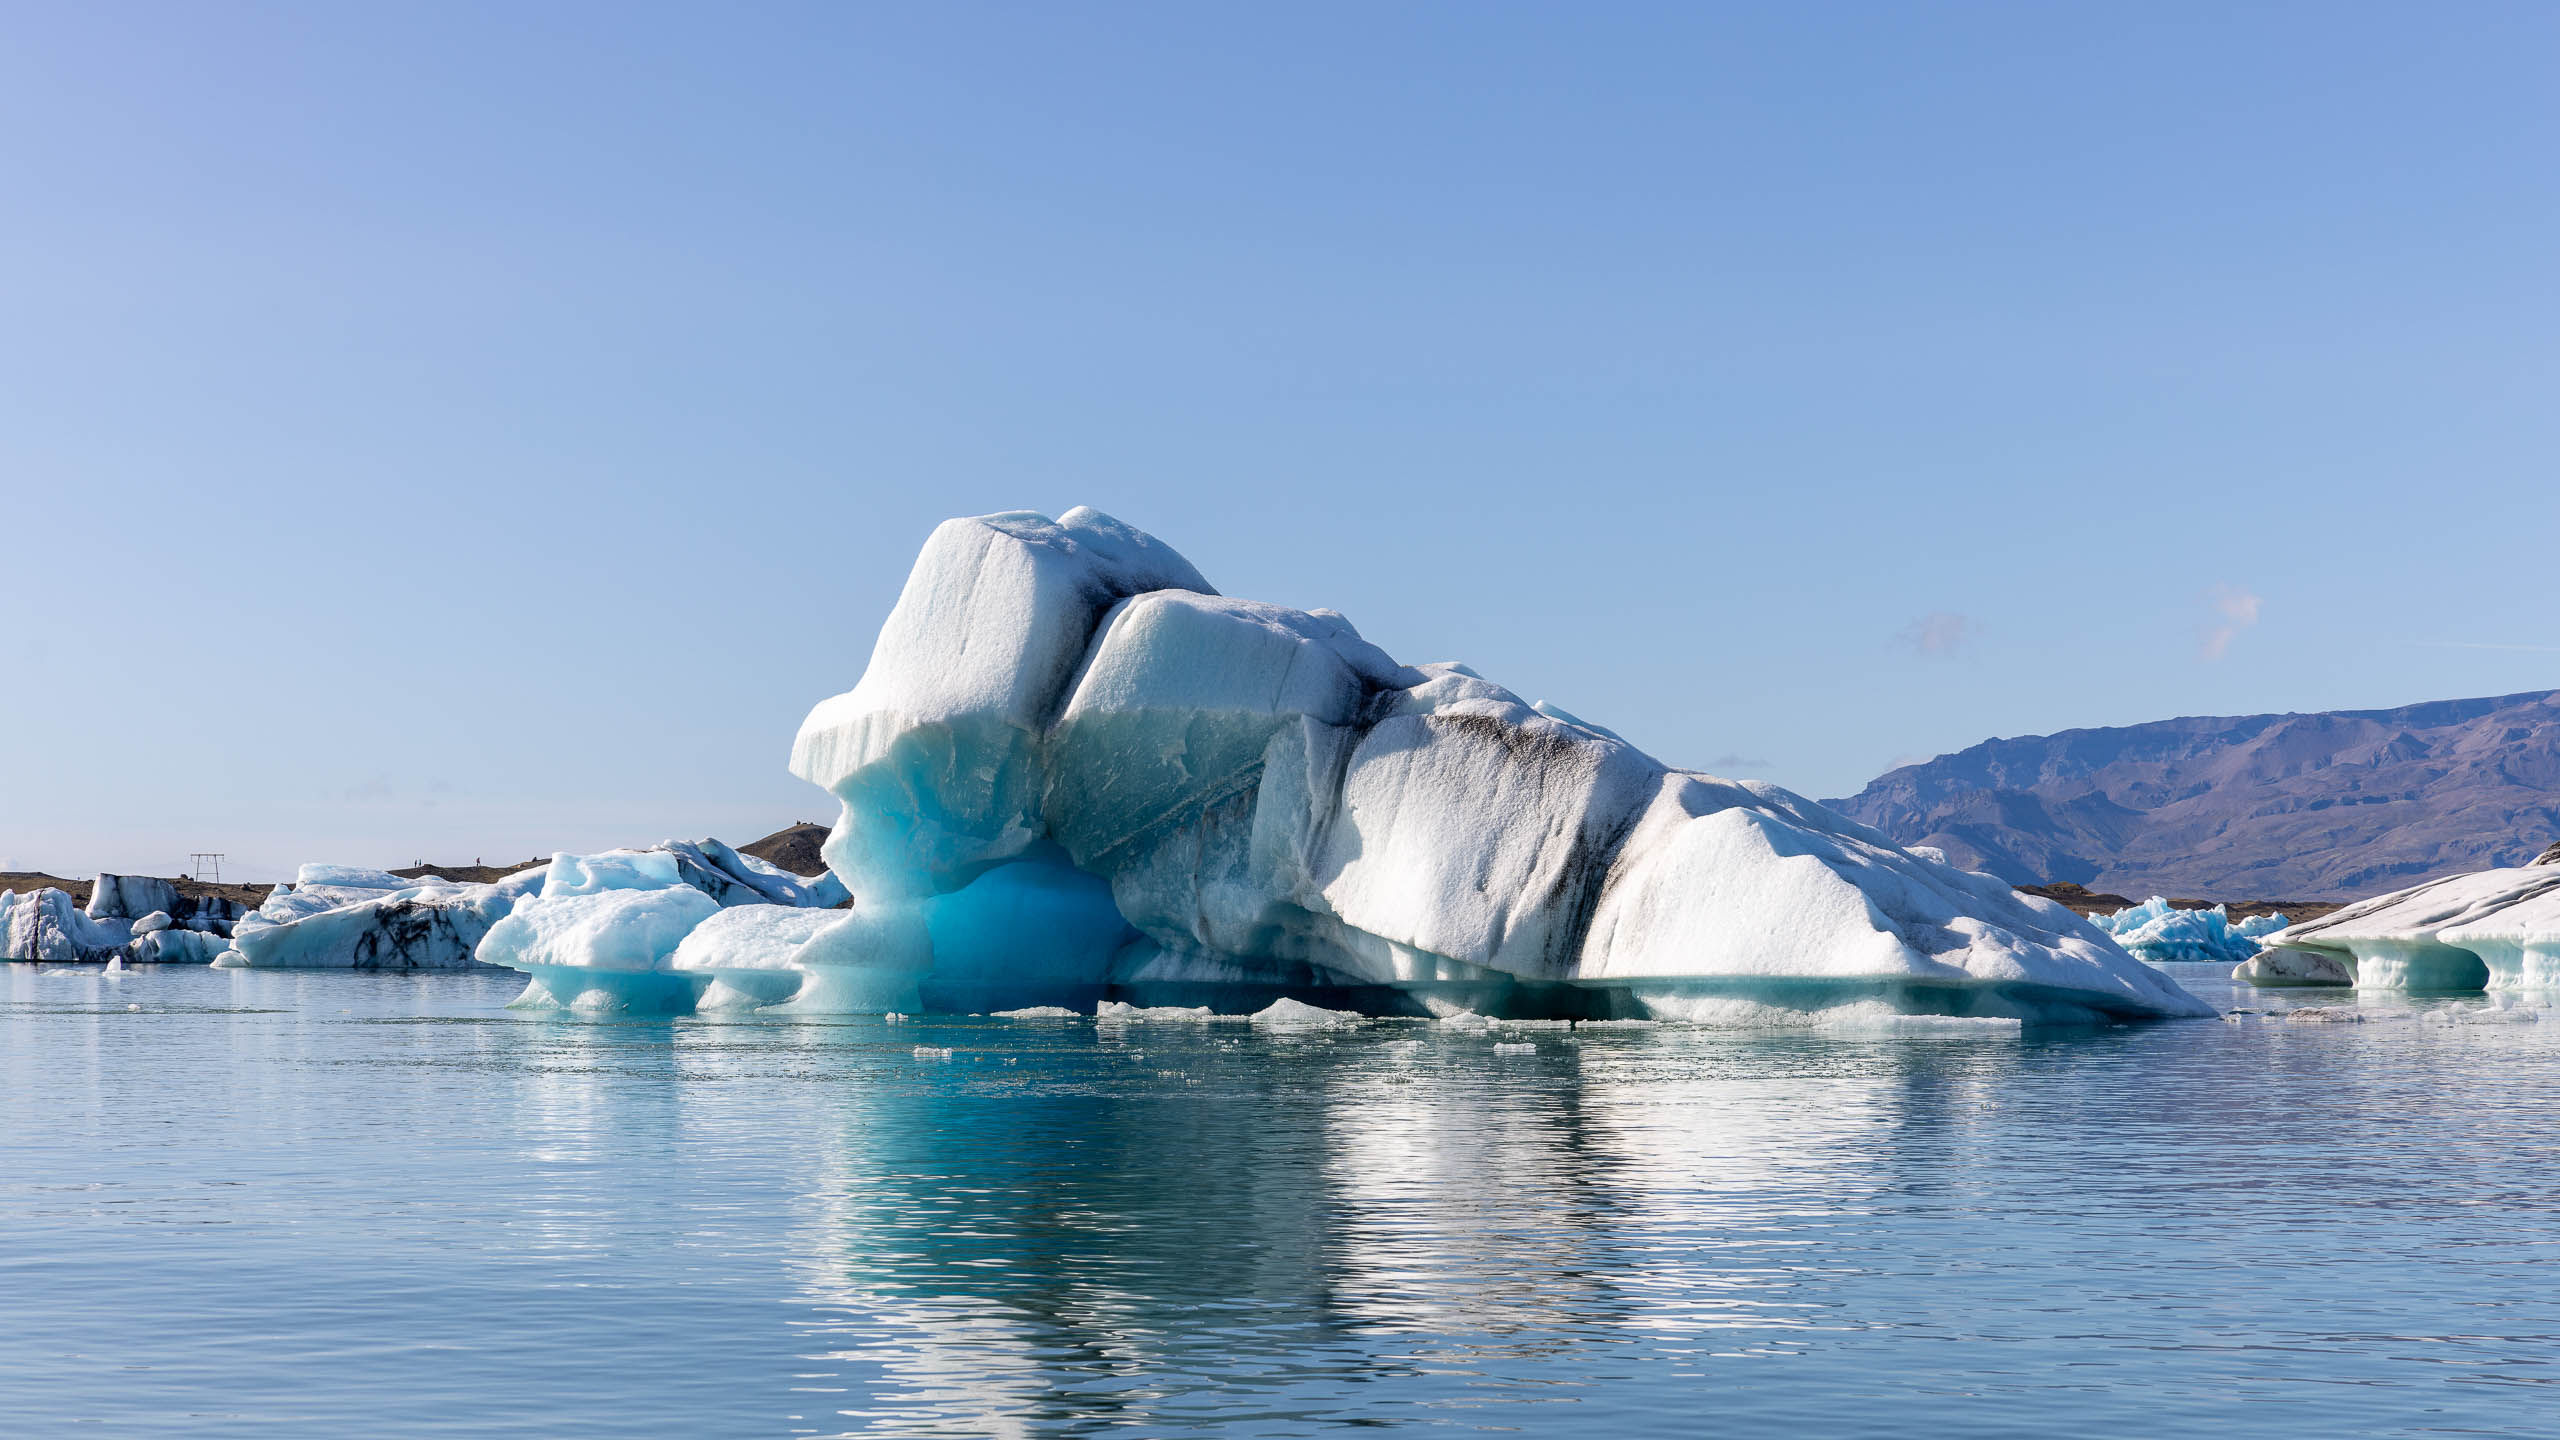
2324 806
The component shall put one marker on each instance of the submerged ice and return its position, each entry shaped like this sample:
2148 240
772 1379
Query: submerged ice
1075 774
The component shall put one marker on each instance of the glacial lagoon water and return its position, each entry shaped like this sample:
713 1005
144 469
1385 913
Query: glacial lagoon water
329 1204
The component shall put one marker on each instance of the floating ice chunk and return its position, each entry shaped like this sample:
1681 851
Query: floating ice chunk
1040 1012
173 946
935 752
606 949
735 878
44 924
1120 1012
2283 966
2405 940
528 881
1066 709
2483 1015
1739 884
349 877
132 897
750 937
1878 1020
1298 1015
129 897
751 953
420 927
609 870
615 929
2159 932
2520 943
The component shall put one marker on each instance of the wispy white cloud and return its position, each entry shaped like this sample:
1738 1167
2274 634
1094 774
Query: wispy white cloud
2235 610
1940 633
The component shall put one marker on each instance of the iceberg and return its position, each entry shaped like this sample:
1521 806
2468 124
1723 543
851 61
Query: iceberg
131 897
426 924
2282 968
173 946
2490 929
44 924
1074 773
2157 932
350 917
602 949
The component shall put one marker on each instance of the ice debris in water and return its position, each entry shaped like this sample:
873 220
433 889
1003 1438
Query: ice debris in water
1074 773
1040 1012
1122 1012
1299 1015
2157 931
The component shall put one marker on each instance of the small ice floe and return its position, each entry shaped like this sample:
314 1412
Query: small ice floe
933 1052
1938 1027
2283 966
2483 1015
1512 1047
1040 1012
1299 1015
2341 1015
1120 1012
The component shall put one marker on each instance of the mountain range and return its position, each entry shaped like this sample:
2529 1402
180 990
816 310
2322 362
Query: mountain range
2322 806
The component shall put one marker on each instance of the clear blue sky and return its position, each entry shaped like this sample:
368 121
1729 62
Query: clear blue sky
451 430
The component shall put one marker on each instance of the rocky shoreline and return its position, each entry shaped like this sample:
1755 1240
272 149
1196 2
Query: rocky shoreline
2083 901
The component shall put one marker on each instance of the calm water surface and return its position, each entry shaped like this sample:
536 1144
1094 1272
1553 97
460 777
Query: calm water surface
242 1204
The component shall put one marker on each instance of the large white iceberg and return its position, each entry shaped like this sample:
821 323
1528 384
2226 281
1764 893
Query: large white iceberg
2490 929
1074 772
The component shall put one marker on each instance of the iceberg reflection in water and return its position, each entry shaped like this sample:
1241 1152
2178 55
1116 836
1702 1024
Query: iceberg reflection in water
301 1204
